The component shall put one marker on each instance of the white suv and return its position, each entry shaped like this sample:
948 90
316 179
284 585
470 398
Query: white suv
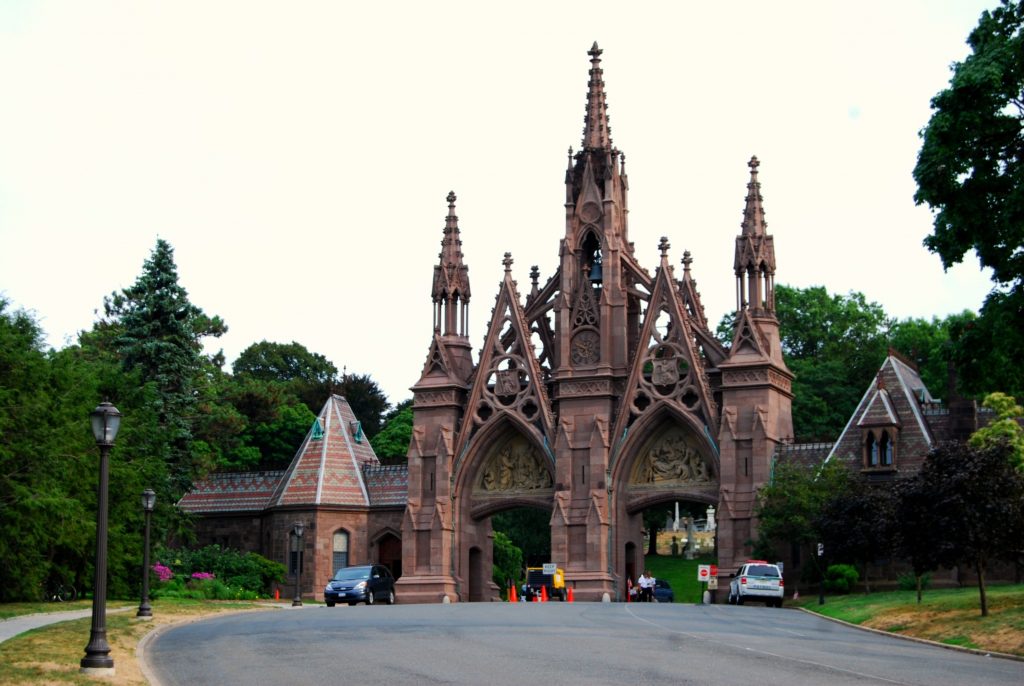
757 580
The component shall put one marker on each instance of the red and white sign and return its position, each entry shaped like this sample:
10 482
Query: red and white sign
703 572
714 570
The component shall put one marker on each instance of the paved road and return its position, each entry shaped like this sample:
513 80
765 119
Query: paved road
553 644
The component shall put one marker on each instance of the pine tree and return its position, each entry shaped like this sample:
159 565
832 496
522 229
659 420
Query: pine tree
160 334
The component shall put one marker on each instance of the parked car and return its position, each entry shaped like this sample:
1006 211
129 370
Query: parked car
361 584
757 580
663 591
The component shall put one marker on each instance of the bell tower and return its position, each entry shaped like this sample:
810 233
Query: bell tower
595 324
756 384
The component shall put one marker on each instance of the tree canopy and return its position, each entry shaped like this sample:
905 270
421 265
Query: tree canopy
970 169
970 172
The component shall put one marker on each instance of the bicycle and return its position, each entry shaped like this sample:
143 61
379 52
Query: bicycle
61 593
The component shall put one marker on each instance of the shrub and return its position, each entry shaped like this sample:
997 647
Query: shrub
908 582
840 578
247 572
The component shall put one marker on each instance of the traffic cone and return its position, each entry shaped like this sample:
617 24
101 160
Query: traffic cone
569 591
277 594
512 594
543 594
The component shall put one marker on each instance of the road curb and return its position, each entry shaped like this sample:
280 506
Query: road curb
926 641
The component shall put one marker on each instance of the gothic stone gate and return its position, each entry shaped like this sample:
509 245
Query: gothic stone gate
601 392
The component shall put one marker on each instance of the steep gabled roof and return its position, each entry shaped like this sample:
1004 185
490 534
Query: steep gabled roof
894 398
231 492
327 470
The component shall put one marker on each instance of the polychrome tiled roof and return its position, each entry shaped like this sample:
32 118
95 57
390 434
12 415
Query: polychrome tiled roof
231 492
327 470
387 484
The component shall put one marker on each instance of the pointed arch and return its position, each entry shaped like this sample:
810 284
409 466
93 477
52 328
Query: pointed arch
649 427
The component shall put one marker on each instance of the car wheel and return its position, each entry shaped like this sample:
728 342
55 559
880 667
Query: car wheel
369 598
391 598
329 603
739 600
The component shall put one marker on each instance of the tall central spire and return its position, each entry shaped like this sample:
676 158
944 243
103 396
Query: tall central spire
596 131
753 214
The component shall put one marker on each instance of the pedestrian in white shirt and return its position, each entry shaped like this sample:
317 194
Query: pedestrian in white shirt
646 584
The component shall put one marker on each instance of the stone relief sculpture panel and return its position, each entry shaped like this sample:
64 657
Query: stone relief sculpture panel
670 459
517 466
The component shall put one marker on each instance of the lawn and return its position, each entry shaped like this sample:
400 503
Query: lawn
681 573
51 654
950 616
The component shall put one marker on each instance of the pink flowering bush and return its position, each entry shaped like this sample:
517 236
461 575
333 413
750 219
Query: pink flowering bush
163 572
201 576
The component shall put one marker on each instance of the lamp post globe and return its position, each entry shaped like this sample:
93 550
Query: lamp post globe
298 528
148 503
106 420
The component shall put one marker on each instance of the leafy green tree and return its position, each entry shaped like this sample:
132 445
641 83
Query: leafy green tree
928 345
508 562
530 530
833 344
309 376
392 442
1005 429
977 502
918 539
789 505
857 525
970 169
367 401
988 350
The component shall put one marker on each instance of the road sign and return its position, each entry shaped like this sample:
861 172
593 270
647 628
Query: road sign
703 572
550 567
713 583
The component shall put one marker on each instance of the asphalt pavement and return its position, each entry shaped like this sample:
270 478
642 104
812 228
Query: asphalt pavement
554 643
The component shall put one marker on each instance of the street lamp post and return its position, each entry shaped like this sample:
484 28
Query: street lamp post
148 503
106 420
821 574
297 530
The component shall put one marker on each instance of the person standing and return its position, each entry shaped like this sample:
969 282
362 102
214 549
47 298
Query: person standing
646 584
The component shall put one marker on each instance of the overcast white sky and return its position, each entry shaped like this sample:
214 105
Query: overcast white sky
297 155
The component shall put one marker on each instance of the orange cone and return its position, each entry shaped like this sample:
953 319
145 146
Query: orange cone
569 591
543 594
277 594
512 594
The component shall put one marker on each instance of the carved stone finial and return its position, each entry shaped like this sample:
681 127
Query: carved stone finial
663 246
507 262
534 274
753 164
687 260
451 198
595 52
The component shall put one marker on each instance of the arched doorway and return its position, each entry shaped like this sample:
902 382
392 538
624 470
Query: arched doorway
510 477
389 553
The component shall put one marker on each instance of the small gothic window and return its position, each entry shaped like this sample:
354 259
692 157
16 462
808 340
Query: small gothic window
357 431
871 450
339 559
318 430
885 449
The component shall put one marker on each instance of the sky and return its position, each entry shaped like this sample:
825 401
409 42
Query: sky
297 155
